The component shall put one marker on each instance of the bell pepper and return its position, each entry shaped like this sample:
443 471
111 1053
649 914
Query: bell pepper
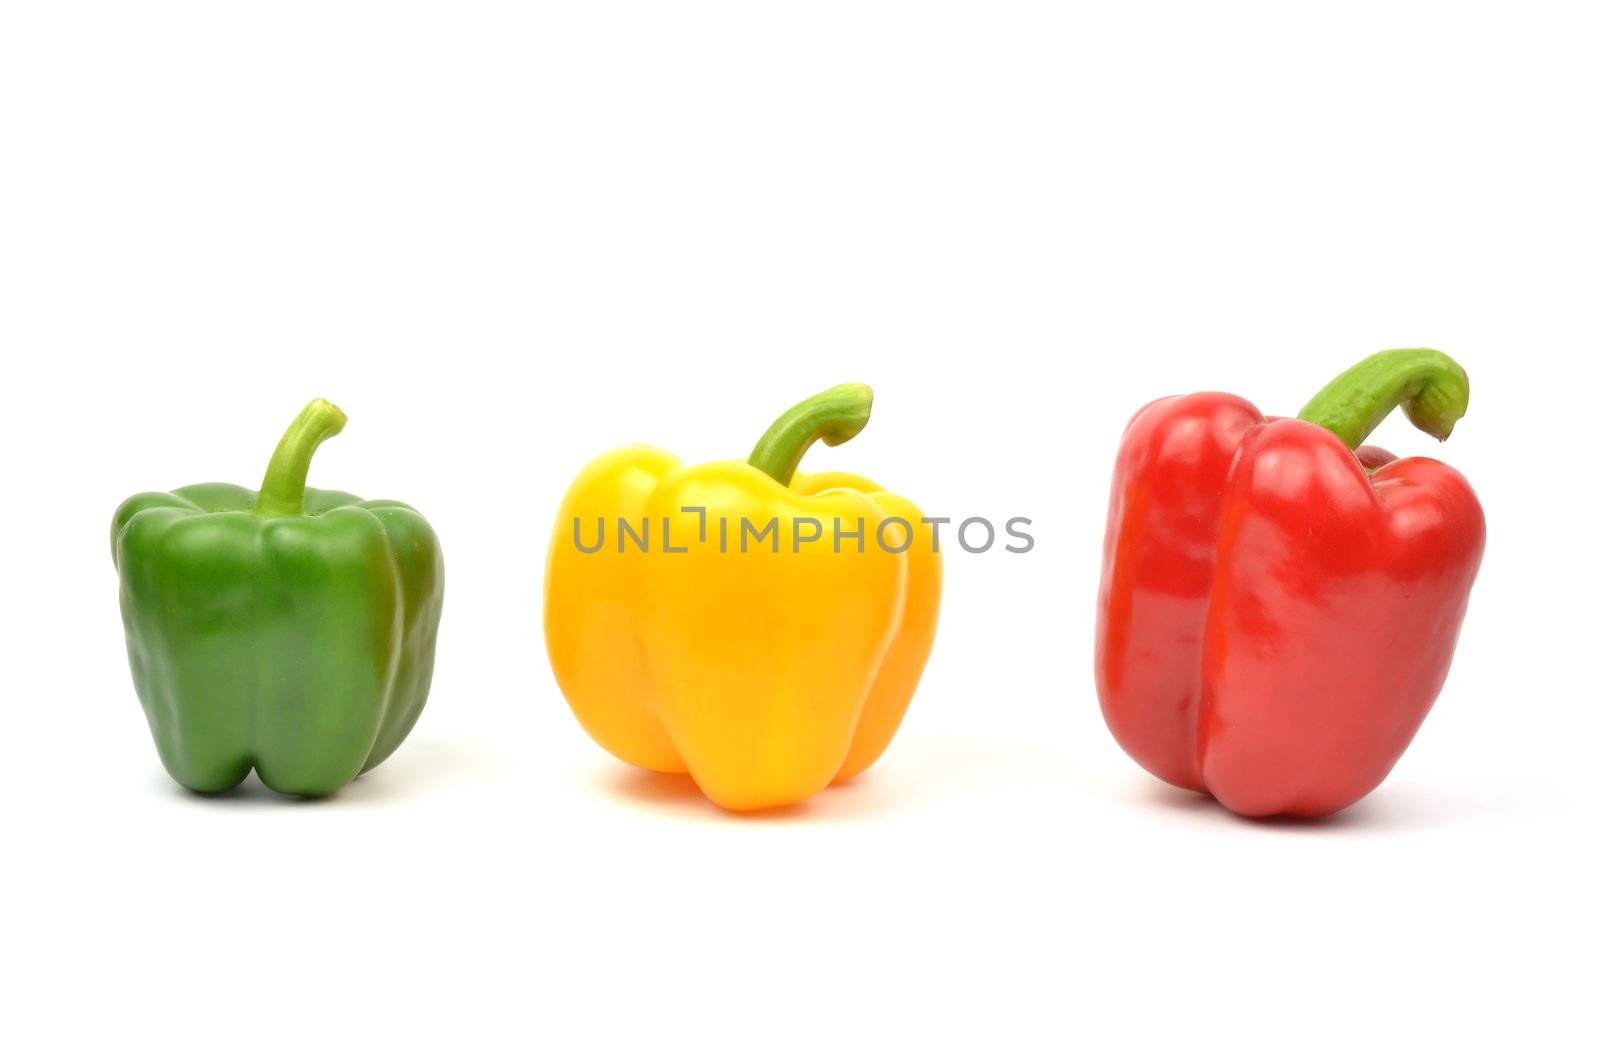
726 628
290 630
1277 613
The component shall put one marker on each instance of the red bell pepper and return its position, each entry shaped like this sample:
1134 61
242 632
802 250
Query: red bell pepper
1277 611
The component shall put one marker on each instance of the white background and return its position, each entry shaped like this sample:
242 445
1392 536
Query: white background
507 237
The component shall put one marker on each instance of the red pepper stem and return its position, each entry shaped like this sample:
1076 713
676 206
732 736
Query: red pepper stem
283 490
1430 388
832 417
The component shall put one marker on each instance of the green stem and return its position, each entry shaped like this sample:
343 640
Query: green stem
832 416
283 490
1427 385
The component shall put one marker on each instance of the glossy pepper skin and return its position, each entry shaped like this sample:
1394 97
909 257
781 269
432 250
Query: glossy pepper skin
290 630
765 670
1278 608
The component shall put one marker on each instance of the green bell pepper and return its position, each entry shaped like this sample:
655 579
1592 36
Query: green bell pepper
290 630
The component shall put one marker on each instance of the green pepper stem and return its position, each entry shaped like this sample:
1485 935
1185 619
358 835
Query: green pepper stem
833 416
283 490
1427 385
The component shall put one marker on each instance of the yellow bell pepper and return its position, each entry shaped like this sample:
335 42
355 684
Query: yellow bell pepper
725 620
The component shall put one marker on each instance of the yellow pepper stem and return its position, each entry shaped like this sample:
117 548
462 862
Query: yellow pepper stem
833 416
